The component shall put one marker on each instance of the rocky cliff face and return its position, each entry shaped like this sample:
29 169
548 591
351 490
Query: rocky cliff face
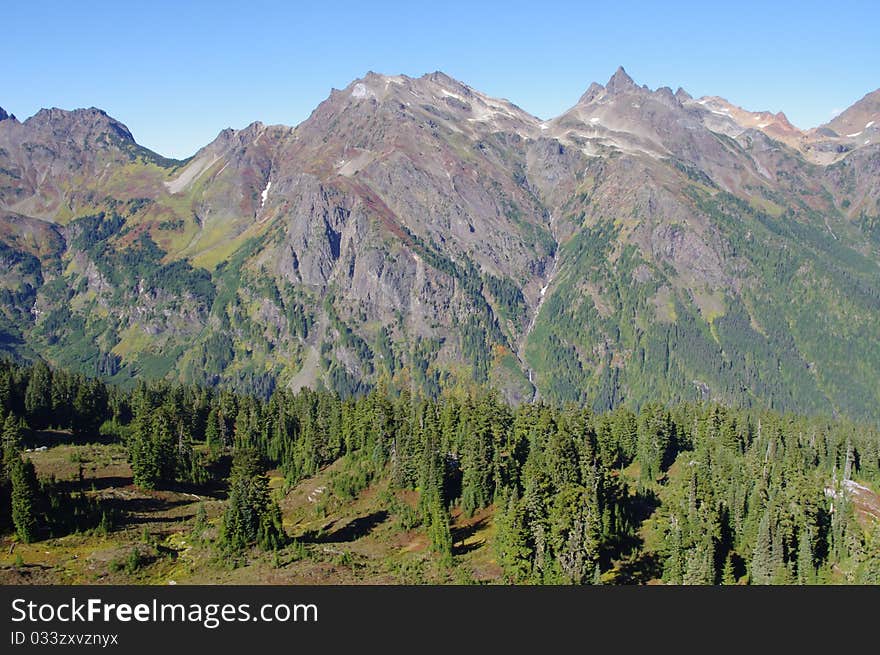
641 244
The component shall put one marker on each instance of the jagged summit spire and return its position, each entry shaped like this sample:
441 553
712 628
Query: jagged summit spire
682 95
620 82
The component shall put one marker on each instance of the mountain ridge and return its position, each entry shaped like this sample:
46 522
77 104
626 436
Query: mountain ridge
620 81
417 230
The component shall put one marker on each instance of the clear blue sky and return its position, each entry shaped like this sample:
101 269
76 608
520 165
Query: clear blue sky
178 72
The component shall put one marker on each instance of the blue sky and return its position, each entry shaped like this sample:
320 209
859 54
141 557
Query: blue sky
178 72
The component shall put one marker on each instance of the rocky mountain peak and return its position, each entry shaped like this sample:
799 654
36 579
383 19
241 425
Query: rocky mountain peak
665 94
441 78
861 116
594 91
782 119
620 82
246 133
78 122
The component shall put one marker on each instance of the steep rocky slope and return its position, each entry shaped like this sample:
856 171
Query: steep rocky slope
642 244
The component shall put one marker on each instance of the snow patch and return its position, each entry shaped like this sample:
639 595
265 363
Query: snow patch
359 91
853 135
265 193
763 125
450 94
867 141
867 125
544 126
594 119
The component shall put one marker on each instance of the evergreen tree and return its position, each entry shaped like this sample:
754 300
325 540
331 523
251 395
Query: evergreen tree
24 499
476 463
437 524
762 559
654 441
252 517
38 396
512 538
13 434
575 533
728 577
200 522
89 408
805 568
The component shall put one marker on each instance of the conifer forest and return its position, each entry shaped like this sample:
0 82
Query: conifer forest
685 494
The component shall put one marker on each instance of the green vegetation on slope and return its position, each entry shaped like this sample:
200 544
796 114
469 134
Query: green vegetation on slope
693 493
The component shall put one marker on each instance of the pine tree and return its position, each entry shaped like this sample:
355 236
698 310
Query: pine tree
512 538
200 523
142 451
654 441
437 525
89 408
252 517
38 396
806 571
674 566
575 531
476 463
13 434
699 565
762 558
5 392
728 577
214 431
24 499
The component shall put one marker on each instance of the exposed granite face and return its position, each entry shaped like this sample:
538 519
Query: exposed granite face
419 229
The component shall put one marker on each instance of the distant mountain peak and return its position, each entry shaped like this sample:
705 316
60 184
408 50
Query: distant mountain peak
91 119
442 78
863 115
783 119
3 114
620 82
593 92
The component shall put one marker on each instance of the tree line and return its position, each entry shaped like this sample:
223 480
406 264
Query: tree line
693 493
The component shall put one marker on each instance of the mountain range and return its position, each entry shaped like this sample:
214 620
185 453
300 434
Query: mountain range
643 245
